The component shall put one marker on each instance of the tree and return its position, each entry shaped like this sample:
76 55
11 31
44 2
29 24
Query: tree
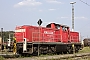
6 35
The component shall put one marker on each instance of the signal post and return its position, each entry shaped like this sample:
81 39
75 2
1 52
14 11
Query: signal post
39 23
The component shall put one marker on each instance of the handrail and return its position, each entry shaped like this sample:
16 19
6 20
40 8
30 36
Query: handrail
45 37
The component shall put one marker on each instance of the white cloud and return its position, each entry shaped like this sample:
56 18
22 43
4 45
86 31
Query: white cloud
27 3
51 9
83 18
76 18
64 17
53 1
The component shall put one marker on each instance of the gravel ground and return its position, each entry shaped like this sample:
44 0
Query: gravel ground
54 57
28 58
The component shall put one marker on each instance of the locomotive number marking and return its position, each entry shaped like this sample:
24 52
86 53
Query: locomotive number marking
20 30
48 32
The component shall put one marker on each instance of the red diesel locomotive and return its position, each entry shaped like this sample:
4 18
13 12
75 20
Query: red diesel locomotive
54 38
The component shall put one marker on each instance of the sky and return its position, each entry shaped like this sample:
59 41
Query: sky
27 12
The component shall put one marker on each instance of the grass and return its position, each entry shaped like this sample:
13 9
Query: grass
2 58
85 50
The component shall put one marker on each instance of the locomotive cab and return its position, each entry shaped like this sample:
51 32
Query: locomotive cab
57 26
63 31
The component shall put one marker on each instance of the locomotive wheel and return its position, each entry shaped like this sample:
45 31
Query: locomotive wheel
50 50
20 51
70 50
76 49
35 53
59 53
64 52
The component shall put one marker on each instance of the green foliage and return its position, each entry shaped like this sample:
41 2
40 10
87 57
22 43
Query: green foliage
6 35
85 50
2 58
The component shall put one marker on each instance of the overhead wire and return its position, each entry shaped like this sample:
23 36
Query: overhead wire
85 2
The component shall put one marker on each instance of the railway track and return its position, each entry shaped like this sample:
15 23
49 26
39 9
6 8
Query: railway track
10 55
55 57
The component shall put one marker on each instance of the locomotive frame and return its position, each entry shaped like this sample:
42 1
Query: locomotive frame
40 43
44 48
